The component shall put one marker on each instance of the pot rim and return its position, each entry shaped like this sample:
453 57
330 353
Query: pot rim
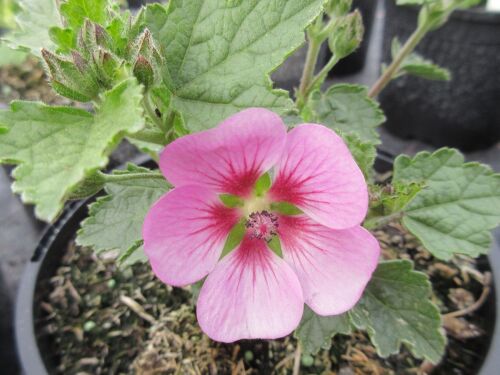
26 344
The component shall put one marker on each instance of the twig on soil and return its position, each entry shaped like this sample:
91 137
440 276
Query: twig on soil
476 305
296 360
135 307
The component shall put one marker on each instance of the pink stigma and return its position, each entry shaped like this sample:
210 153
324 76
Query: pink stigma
262 225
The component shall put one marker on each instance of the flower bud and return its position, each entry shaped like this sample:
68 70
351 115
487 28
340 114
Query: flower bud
146 58
143 71
92 36
338 8
347 35
67 79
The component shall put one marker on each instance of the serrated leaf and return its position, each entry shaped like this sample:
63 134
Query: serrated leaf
242 41
395 309
34 20
316 332
363 152
348 109
115 220
56 147
76 11
11 56
458 207
416 65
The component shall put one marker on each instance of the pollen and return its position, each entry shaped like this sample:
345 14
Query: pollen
262 225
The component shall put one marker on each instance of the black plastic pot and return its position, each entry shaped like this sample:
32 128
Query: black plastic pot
464 112
46 259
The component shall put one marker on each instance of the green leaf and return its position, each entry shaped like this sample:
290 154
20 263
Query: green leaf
76 11
459 206
34 21
416 65
396 309
363 152
11 56
348 109
316 332
57 147
242 41
115 220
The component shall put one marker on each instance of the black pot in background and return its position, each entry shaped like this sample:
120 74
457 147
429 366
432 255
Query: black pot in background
46 259
355 62
464 112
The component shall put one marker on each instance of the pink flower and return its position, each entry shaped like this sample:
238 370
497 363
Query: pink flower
328 258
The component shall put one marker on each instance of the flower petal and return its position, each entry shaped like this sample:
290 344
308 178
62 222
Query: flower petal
333 266
318 174
184 234
229 158
252 293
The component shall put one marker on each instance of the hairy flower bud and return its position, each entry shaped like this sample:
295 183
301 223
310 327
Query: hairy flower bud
347 35
68 77
337 8
146 58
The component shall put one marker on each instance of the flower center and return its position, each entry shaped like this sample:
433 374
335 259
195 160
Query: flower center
262 225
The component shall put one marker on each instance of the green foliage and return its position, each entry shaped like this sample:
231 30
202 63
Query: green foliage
57 147
115 220
347 35
416 65
76 12
395 309
316 332
255 39
337 8
8 8
363 152
458 207
34 20
11 56
348 109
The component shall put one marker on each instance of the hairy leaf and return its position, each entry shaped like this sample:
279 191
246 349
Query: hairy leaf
241 41
396 309
348 109
76 11
115 220
57 147
416 65
11 56
34 21
316 332
458 207
363 152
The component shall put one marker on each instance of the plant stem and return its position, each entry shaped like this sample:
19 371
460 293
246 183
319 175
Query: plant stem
476 305
296 360
322 74
377 222
151 112
131 176
151 136
393 68
308 72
